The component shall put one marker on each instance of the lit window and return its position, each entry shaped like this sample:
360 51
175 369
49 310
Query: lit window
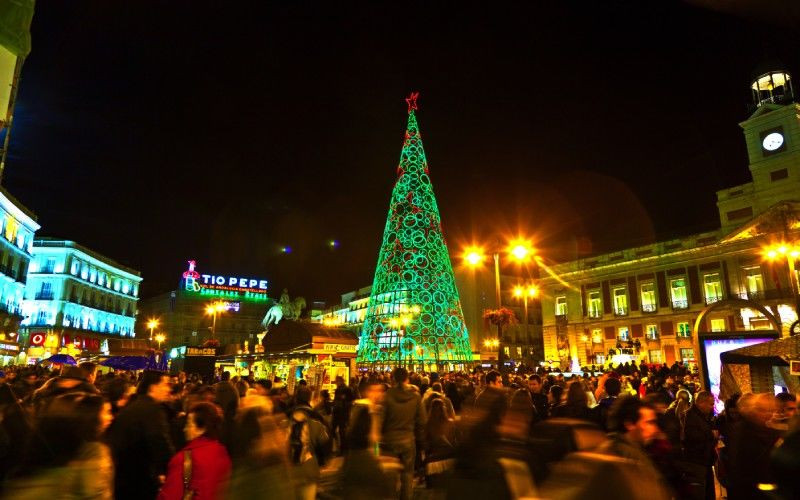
755 282
506 351
519 352
652 332
655 356
623 333
648 297
678 289
85 272
126 287
684 330
12 226
620 301
712 288
73 269
561 306
718 325
597 336
687 354
595 308
92 275
116 285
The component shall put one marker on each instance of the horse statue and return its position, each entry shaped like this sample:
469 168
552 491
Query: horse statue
273 316
285 308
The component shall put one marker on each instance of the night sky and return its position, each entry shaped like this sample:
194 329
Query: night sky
156 132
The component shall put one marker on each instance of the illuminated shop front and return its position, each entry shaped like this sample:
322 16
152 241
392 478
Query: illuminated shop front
183 315
76 299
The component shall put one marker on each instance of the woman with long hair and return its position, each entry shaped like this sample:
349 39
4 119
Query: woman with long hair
440 446
202 467
576 404
65 457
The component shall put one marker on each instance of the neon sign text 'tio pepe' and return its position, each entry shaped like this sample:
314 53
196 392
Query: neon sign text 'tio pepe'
196 282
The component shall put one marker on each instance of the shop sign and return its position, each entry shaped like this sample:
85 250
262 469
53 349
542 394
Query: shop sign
9 347
196 282
38 338
88 343
201 351
339 347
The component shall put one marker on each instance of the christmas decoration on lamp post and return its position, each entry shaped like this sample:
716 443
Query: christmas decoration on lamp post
414 311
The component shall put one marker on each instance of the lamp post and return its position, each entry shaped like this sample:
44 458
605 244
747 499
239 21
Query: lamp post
525 292
519 250
152 324
160 338
213 310
788 252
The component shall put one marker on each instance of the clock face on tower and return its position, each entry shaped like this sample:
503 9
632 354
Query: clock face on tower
772 141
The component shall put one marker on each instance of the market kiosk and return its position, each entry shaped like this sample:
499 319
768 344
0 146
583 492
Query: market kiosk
295 350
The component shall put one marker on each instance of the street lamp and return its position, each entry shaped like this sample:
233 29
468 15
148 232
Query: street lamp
519 250
160 338
152 324
789 253
524 293
213 310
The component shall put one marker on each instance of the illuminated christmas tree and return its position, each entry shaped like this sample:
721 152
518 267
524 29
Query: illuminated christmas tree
414 315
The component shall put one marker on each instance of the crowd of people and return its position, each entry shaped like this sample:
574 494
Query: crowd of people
634 432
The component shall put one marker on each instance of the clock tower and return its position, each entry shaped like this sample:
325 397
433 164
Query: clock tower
772 134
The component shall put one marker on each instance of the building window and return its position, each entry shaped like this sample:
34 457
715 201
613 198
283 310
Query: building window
742 213
777 175
712 288
41 318
49 265
73 268
45 291
754 283
678 289
620 301
718 325
687 354
506 351
655 356
652 332
597 336
519 352
684 330
595 308
648 297
561 306
623 333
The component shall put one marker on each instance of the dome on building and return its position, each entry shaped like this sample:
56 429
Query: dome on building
771 83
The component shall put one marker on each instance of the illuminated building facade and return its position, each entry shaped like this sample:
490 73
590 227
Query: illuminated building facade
182 313
350 313
652 295
17 228
77 296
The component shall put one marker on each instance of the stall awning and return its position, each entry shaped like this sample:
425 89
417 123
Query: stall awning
774 353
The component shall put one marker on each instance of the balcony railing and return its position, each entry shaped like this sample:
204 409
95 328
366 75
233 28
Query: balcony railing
712 300
771 294
595 313
43 296
620 311
680 304
651 336
649 308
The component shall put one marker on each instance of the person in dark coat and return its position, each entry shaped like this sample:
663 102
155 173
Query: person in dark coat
72 379
751 444
403 426
342 402
699 447
140 441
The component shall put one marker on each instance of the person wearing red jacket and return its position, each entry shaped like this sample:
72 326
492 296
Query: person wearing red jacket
208 467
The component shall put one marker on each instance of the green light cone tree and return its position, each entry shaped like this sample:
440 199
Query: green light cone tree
414 315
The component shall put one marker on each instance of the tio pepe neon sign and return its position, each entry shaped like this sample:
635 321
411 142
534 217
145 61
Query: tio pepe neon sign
194 282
